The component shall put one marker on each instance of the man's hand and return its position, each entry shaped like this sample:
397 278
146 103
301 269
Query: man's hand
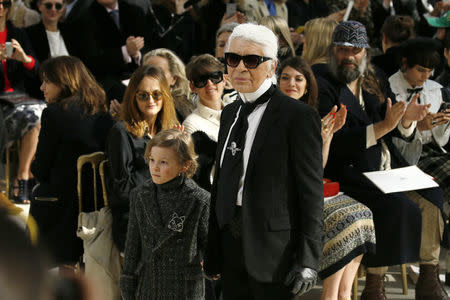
414 112
300 279
393 113
134 45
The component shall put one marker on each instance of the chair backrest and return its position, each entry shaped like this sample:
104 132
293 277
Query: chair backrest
102 177
94 159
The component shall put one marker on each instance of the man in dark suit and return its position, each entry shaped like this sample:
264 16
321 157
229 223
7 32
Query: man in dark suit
265 235
114 33
409 226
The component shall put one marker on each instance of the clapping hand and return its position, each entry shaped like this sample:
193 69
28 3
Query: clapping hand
394 113
300 279
134 45
237 17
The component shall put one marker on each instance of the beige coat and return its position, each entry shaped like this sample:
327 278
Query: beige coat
256 9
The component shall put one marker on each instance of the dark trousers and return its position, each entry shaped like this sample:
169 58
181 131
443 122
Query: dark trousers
237 283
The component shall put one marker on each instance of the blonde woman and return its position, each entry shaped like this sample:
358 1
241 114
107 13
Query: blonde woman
280 27
175 73
318 34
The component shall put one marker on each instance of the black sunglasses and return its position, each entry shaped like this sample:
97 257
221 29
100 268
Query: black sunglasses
49 5
145 96
202 81
250 61
6 4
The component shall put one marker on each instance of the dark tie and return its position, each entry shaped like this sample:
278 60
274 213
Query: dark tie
232 165
412 92
115 16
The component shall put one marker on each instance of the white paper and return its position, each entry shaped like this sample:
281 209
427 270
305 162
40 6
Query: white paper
401 180
349 9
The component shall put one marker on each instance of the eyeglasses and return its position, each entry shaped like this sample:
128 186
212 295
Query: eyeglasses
49 5
6 4
202 81
145 96
250 61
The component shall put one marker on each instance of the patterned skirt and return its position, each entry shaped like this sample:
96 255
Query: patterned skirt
437 165
20 119
349 232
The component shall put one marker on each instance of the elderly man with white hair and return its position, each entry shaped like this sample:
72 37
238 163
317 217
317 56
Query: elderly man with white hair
265 235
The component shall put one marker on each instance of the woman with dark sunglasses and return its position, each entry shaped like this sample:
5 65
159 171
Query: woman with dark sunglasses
205 74
146 109
21 119
49 37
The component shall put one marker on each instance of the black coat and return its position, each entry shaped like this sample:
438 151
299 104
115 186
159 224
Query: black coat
389 62
78 10
282 205
349 157
127 169
65 135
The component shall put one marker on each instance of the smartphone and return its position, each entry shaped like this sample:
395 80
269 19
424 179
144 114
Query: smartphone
231 9
8 49
444 106
348 10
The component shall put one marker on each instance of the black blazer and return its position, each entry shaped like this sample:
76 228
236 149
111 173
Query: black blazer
65 135
282 210
104 40
39 40
78 10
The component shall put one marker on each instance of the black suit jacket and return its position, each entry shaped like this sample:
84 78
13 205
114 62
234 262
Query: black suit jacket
78 10
282 203
104 40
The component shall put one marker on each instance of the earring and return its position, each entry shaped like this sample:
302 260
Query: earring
306 91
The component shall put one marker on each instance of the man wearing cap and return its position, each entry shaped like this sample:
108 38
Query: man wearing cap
266 215
408 225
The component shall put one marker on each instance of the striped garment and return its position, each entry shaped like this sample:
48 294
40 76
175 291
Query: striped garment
349 232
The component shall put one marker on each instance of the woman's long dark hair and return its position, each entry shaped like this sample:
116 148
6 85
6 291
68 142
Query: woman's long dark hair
78 85
303 67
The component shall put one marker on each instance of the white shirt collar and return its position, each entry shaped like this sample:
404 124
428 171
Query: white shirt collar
251 97
208 113
115 7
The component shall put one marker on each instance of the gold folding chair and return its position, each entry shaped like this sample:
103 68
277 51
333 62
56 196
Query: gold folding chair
94 159
102 177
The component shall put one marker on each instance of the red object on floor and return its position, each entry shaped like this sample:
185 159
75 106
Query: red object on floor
330 188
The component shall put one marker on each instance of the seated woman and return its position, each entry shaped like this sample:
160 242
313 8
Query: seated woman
49 37
22 121
174 71
147 108
74 123
349 229
205 73
419 57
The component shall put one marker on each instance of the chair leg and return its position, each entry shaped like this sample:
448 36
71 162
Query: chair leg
7 172
355 287
404 279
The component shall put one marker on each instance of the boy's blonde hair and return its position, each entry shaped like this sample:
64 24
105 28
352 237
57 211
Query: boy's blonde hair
180 142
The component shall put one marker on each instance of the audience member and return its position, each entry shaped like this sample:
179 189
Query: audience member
365 144
74 123
147 108
254 10
75 9
419 57
279 26
205 73
395 30
168 226
175 74
22 15
318 34
222 36
115 34
444 77
301 11
21 119
349 232
266 206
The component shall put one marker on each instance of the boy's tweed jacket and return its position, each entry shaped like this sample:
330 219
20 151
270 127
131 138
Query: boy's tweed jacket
166 237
